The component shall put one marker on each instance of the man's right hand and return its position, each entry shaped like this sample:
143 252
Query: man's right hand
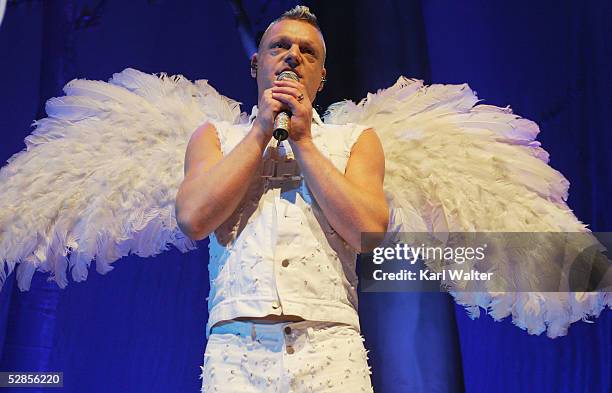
267 109
215 184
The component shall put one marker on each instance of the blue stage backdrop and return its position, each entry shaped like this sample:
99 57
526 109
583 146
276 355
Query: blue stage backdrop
141 327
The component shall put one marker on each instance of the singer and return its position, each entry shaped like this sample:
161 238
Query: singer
283 301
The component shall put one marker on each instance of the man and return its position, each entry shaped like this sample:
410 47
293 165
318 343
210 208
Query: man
283 287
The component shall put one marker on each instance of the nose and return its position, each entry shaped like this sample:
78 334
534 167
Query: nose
293 56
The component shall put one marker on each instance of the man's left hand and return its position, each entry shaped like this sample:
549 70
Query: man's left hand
293 94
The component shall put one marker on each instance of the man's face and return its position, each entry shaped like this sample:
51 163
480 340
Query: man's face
291 45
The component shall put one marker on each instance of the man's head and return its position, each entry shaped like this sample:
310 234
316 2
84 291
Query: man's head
291 42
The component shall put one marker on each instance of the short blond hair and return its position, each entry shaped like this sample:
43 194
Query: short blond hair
301 13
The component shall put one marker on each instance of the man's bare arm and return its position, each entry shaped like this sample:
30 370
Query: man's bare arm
353 202
214 185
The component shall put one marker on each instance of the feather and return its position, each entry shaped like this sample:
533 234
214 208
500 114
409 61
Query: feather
460 166
98 177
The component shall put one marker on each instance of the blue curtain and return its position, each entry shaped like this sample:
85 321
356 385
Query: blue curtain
141 327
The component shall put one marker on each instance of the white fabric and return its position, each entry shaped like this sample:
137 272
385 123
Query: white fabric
2 9
277 253
311 357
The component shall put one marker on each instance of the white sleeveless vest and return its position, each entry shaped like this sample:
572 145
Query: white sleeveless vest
277 253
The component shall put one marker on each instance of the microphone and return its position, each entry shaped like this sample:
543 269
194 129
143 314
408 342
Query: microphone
282 121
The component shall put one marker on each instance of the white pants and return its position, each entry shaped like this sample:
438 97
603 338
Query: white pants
285 357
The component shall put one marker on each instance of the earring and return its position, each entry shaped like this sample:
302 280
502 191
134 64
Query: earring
254 70
323 80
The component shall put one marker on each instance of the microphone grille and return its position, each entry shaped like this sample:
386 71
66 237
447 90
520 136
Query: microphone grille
287 75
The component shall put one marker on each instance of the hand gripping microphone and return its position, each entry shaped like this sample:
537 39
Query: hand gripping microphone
282 121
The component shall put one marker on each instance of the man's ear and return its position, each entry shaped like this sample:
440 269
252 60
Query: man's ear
323 80
254 65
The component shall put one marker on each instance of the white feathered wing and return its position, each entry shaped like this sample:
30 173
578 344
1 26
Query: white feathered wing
99 175
454 166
